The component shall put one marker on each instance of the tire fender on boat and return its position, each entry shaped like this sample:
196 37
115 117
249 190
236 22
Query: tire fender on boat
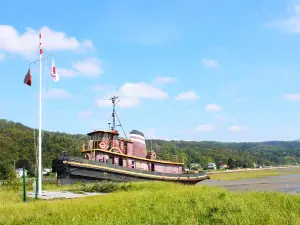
154 155
102 145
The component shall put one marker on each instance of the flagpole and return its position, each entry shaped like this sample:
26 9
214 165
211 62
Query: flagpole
40 123
38 189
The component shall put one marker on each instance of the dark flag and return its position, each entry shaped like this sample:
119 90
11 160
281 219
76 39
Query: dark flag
27 79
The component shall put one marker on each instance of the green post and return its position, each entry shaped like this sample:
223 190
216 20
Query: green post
24 185
36 184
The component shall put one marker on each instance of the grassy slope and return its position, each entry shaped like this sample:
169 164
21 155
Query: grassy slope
253 174
156 203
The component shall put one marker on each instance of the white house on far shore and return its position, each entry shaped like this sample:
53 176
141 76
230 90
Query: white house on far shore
211 166
20 172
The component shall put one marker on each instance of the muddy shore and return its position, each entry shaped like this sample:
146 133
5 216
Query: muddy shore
289 183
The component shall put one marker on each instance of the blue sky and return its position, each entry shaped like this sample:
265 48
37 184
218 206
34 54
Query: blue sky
190 70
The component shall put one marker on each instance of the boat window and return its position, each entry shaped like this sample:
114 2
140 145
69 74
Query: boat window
132 166
105 136
115 137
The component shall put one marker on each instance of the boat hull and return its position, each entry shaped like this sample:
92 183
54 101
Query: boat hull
71 170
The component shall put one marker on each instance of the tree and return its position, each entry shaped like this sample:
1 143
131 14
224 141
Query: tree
11 181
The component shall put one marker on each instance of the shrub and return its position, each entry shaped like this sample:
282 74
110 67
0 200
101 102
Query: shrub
11 181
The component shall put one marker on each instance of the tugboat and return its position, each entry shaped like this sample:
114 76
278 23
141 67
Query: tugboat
110 157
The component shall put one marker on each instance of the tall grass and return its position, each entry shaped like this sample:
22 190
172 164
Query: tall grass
156 203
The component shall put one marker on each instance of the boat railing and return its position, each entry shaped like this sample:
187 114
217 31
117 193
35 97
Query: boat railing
85 161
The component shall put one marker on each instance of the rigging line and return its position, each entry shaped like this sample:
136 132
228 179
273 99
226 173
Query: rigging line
45 79
120 124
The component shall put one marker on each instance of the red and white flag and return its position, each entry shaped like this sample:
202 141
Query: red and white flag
54 74
41 48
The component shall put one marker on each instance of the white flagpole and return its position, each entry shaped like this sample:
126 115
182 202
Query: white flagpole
40 122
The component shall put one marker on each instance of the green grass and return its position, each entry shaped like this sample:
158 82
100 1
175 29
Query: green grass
156 203
253 174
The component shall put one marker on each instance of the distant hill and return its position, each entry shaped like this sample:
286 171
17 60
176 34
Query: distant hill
17 142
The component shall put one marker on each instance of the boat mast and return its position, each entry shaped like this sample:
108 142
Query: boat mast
113 99
114 115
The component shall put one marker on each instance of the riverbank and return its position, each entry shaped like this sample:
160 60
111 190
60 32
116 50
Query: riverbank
253 173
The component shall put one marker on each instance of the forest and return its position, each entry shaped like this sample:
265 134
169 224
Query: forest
19 142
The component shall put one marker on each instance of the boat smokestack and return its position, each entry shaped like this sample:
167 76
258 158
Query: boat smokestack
139 144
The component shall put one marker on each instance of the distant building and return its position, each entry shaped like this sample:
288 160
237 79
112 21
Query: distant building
20 172
46 171
223 166
211 166
195 166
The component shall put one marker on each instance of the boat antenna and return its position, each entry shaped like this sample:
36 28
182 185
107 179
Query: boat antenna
114 114
113 100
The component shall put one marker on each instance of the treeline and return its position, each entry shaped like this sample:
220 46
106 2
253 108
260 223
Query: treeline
17 143
244 155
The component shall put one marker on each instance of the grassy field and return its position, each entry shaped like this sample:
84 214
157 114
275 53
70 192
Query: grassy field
253 173
155 203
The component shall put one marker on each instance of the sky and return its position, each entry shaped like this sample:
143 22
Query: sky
183 70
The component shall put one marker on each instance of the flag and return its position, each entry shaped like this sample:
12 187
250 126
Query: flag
27 79
41 48
54 74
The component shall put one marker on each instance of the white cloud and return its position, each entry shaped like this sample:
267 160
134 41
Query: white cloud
26 43
212 107
237 128
85 114
205 127
142 90
2 56
210 63
292 97
66 72
89 67
187 96
165 80
289 25
57 93
130 95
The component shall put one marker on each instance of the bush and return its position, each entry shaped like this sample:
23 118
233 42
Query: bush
105 187
11 180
